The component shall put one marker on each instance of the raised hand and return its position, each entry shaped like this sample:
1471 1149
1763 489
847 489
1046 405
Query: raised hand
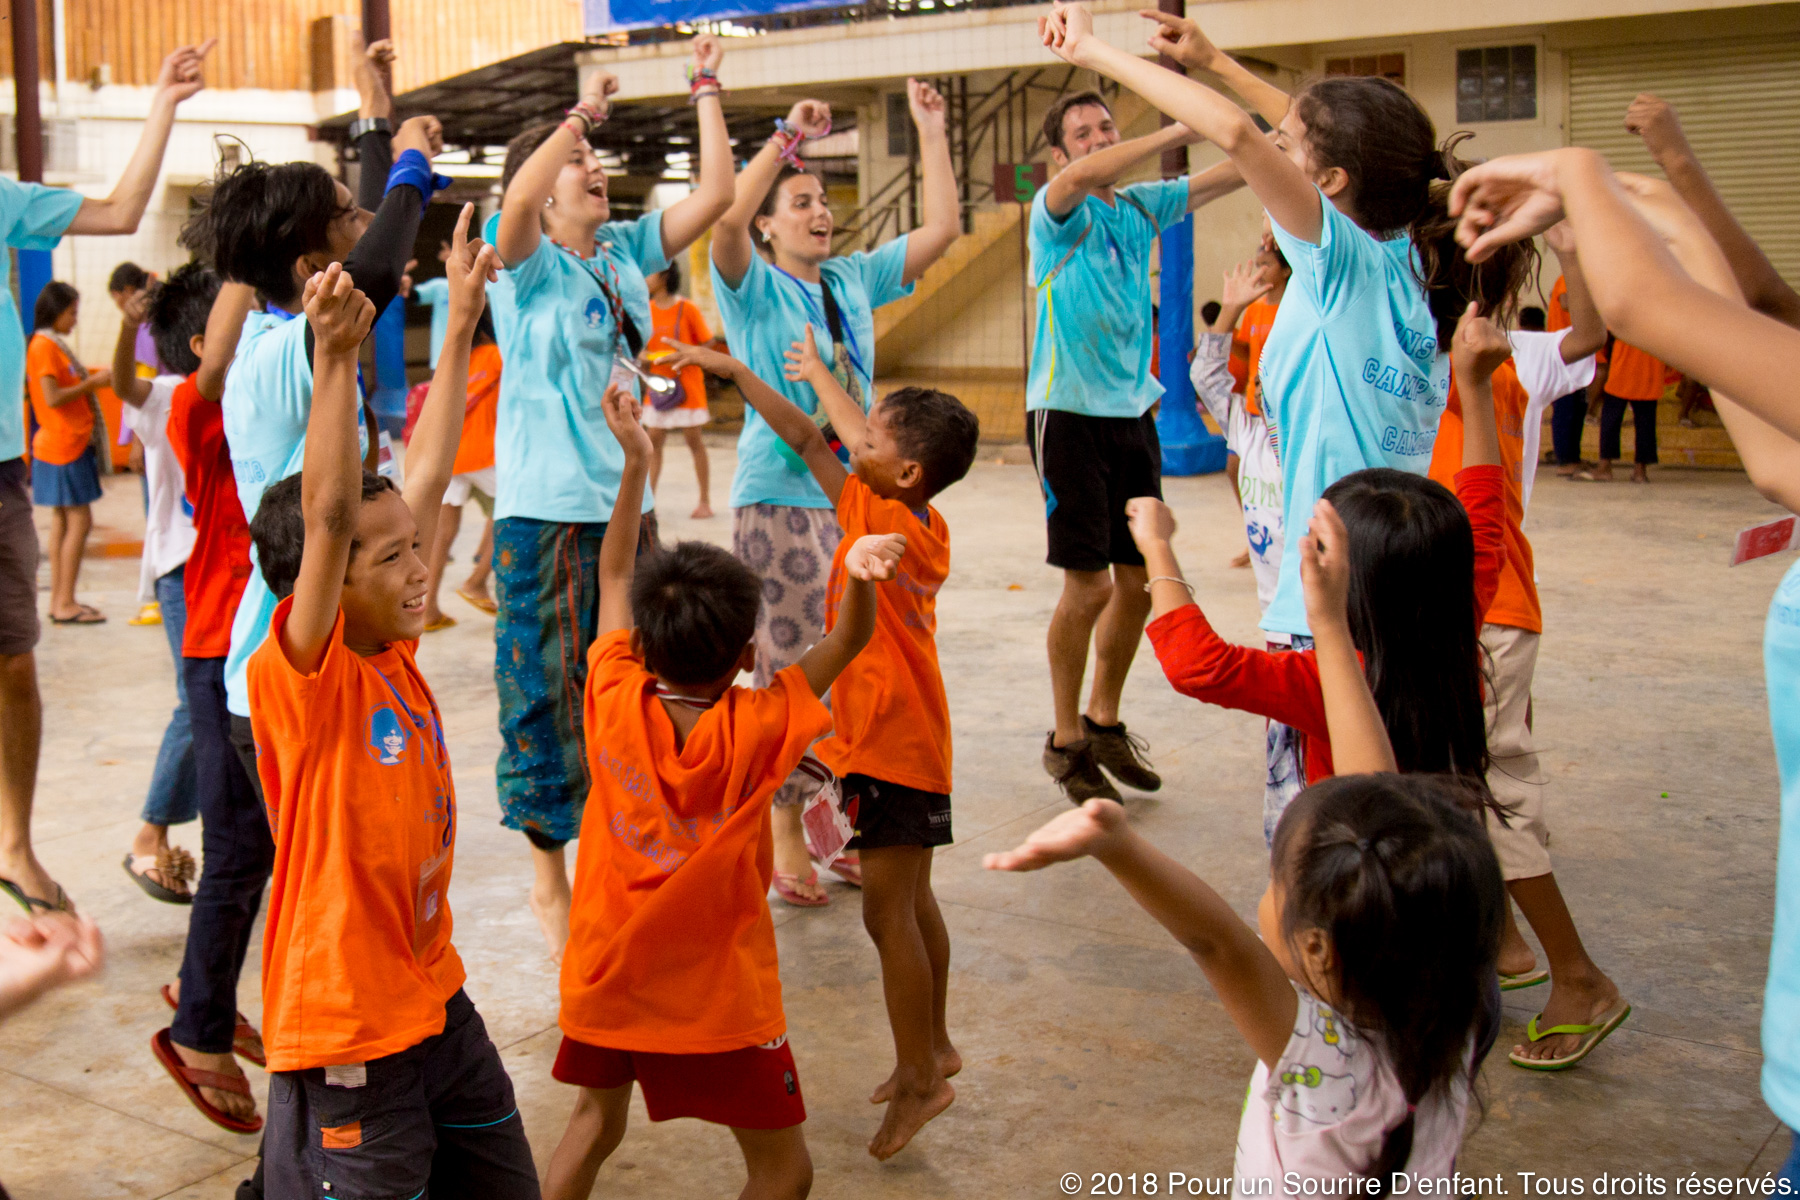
1180 39
1560 237
339 314
927 106
181 75
135 306
1066 30
875 557
623 412
598 90
1244 284
1150 519
1653 119
1505 200
424 134
1085 831
471 266
803 361
1479 344
811 117
707 359
709 51
1325 568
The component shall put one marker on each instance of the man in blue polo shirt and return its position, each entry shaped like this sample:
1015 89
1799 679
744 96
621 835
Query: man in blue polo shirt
1088 398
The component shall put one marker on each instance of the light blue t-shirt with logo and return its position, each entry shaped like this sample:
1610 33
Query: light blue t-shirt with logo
764 315
554 457
1351 377
1781 999
1095 332
267 402
32 217
435 295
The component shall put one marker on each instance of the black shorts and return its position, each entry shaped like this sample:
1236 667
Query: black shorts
892 814
1088 467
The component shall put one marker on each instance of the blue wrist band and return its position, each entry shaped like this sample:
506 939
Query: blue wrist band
415 169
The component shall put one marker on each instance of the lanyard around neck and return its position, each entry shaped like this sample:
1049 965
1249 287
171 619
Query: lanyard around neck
841 333
612 292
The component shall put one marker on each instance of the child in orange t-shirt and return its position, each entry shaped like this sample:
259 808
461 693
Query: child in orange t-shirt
65 472
891 748
669 976
678 319
1638 379
376 1054
472 478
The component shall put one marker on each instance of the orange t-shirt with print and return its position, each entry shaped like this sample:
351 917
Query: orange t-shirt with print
1632 374
1515 602
64 430
891 718
683 322
476 450
1556 317
357 960
1253 328
671 946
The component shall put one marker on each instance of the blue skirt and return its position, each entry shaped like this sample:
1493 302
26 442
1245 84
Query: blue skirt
67 484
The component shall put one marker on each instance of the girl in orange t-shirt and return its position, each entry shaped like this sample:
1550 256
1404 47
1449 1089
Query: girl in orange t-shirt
678 319
65 473
1636 378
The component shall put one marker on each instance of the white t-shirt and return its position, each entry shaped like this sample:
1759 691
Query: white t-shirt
1326 1109
1537 357
169 525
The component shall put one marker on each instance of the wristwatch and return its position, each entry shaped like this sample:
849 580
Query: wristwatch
364 125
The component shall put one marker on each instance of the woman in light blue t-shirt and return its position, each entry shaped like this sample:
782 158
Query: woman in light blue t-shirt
783 526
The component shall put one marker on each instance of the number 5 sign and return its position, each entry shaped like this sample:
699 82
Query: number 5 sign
1017 183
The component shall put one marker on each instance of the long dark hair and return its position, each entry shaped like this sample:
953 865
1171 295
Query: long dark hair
52 302
1397 871
1413 616
1399 175
770 197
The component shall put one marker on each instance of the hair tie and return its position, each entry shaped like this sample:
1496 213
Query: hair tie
1411 1109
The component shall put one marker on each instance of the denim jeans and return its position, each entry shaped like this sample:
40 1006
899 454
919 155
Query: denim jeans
174 798
238 855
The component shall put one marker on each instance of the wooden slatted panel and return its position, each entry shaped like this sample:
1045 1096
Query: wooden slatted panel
1739 100
441 38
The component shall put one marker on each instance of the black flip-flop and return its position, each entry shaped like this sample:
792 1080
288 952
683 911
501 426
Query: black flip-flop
87 616
32 905
153 889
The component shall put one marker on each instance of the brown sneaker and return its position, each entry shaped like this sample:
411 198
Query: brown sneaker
1122 754
1075 771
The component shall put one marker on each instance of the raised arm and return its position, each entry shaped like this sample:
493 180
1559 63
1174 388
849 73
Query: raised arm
373 65
1359 737
331 474
1654 120
684 221
1291 198
126 384
871 559
521 209
1251 984
618 549
784 417
731 241
1184 41
1216 182
224 326
124 207
1477 351
1587 329
437 435
805 366
943 208
1104 168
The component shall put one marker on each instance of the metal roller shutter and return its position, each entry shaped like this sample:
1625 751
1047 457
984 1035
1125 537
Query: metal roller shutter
1739 100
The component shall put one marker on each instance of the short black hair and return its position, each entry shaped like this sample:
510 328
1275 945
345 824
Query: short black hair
1209 312
1532 317
179 306
695 609
671 276
935 430
258 218
127 276
278 530
56 299
1053 117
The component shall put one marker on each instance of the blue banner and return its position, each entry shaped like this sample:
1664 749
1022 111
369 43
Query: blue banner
603 16
1188 447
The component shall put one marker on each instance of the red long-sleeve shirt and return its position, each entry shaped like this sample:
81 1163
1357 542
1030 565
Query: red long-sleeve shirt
1284 685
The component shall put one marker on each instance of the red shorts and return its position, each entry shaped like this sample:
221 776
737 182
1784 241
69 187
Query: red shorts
757 1087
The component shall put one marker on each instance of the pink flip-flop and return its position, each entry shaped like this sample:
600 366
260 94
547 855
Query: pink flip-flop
785 887
848 869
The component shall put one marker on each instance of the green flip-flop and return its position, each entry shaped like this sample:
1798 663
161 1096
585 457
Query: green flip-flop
32 905
1524 979
1591 1036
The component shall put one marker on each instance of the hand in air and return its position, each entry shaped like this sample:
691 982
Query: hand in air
1066 30
44 952
709 52
1560 237
1245 284
380 53
1325 568
1479 346
803 361
339 314
927 106
1505 200
875 557
424 134
598 90
1181 39
472 265
1151 520
1085 831
1653 119
182 73
811 117
705 357
623 412
135 306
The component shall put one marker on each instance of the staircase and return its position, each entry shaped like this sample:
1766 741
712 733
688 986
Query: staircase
1706 445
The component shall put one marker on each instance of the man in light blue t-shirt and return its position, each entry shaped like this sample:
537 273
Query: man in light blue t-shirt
35 217
1088 396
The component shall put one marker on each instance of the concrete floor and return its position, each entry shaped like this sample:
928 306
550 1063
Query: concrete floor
1091 1042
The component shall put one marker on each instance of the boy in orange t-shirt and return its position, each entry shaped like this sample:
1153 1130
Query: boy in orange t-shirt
891 746
669 977
383 1079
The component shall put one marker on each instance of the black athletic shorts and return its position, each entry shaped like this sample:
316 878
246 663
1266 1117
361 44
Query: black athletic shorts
892 814
1088 467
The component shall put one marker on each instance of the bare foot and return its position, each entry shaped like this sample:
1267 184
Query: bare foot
907 1113
791 856
1571 1002
701 511
232 1104
1567 470
949 1062
552 913
1240 559
1640 474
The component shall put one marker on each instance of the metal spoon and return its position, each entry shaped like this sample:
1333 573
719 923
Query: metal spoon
659 384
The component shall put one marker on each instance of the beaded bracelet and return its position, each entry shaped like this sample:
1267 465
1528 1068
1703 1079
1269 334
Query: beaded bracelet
786 140
587 114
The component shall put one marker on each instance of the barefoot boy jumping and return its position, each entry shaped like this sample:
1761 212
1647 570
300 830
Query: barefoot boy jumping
891 748
669 977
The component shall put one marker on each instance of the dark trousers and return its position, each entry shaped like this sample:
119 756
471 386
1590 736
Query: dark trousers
1612 418
238 855
1567 414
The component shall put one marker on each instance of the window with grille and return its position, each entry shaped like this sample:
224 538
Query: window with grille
1497 83
1388 66
899 126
